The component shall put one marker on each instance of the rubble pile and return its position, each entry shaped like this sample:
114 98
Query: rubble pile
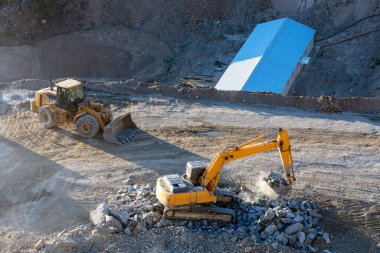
133 210
281 224
289 222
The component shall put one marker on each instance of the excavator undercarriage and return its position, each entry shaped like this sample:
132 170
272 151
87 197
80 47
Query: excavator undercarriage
200 212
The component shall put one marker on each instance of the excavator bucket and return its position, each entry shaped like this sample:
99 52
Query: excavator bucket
272 191
121 130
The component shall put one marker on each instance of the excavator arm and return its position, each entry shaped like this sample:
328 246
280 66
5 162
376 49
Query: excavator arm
212 173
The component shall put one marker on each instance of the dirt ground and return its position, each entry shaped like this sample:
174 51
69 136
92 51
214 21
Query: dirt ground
50 179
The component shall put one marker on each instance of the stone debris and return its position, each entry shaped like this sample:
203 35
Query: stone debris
311 249
294 228
59 246
271 229
66 245
285 222
113 225
301 237
326 237
279 224
329 104
275 180
39 245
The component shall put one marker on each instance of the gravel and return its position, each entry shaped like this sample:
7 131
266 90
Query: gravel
279 224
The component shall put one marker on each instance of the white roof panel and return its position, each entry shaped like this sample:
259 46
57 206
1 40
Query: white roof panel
268 57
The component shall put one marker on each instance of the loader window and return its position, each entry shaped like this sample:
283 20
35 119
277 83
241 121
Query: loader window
75 94
61 95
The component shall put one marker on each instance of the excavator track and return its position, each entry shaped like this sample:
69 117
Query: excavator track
224 196
211 213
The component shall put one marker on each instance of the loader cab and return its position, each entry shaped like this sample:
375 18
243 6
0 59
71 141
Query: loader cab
69 94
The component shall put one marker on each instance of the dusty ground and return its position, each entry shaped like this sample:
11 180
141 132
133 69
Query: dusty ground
50 179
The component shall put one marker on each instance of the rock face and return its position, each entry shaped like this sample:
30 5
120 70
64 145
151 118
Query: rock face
16 63
105 51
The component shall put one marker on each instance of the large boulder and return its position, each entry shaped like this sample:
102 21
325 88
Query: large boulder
103 221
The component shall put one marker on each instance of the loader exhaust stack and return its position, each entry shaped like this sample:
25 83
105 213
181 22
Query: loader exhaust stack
121 130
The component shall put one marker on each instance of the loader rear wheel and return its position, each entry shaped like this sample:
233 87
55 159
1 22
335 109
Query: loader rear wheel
47 118
87 126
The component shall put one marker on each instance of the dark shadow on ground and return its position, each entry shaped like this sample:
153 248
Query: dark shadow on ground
145 150
349 224
34 192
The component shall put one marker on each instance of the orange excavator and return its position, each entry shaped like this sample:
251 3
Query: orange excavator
195 195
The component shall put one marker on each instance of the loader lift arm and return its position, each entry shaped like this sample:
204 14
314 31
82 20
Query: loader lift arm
212 173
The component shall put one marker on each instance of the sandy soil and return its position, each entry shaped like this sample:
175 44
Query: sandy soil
50 179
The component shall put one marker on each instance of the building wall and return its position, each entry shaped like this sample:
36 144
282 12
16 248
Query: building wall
297 69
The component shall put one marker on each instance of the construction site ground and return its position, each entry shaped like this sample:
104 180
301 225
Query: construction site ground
52 178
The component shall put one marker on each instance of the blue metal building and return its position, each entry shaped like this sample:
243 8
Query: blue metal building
270 59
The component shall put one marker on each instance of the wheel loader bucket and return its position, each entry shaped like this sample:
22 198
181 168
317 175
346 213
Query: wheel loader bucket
121 130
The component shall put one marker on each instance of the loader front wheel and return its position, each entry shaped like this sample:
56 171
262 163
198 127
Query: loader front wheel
47 118
87 126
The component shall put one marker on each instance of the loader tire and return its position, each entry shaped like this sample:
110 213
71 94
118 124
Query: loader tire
87 126
47 118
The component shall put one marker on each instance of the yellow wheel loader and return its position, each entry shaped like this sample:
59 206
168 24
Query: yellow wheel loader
65 103
195 195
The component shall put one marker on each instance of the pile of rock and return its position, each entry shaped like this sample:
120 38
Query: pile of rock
290 222
133 210
275 180
281 222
